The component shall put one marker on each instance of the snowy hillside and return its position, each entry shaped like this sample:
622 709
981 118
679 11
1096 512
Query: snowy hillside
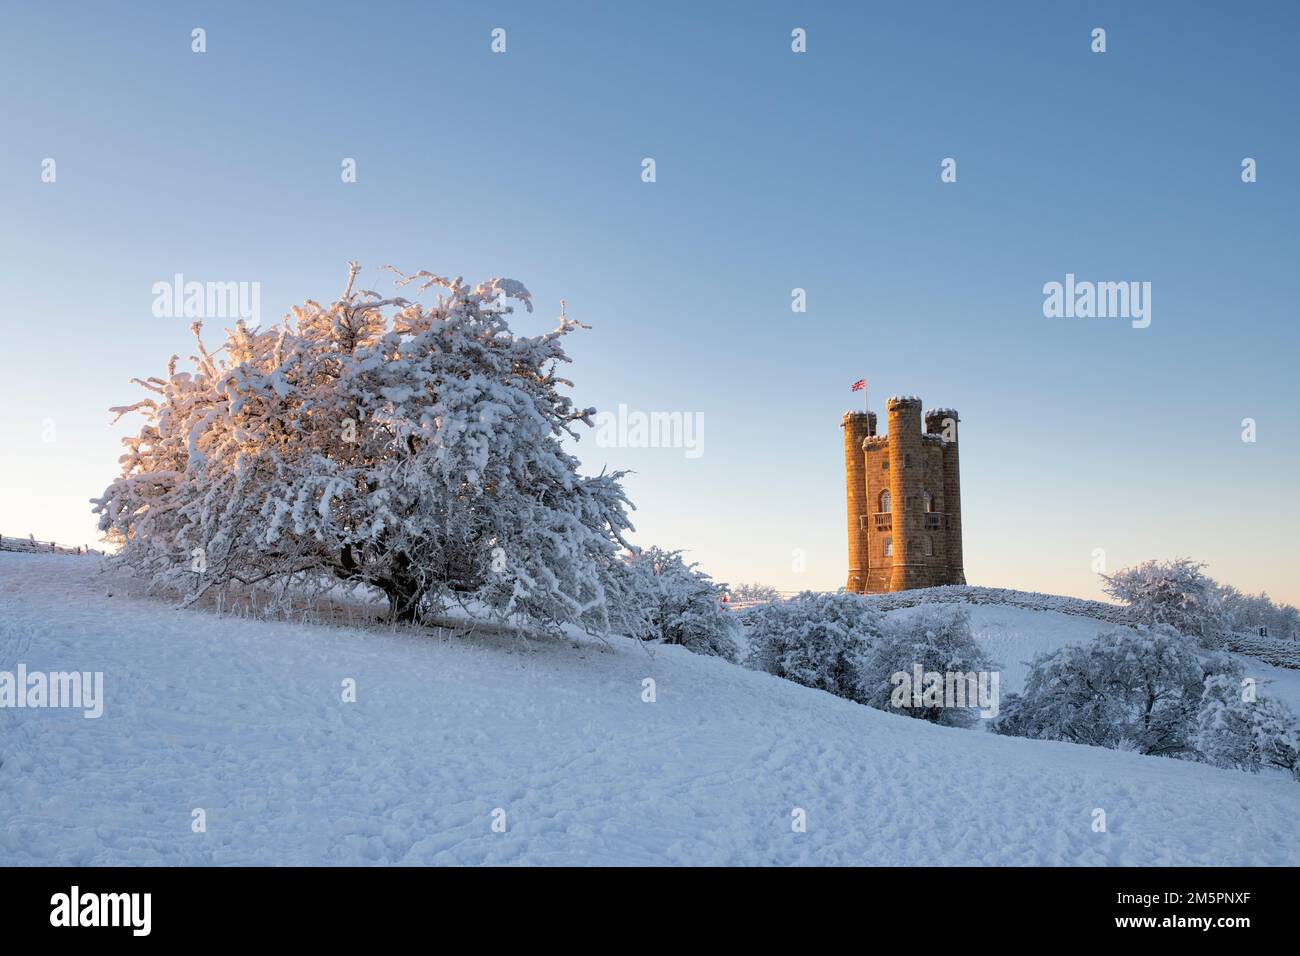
244 719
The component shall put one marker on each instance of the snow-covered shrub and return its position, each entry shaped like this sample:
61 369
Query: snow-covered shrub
1142 686
936 637
659 597
1245 732
818 640
416 450
1176 593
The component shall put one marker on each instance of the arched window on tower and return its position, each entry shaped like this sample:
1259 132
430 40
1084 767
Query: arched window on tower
928 500
889 547
884 502
929 546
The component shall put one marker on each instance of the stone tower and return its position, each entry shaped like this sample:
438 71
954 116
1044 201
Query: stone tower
903 495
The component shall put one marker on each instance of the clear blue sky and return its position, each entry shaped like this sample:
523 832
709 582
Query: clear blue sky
775 171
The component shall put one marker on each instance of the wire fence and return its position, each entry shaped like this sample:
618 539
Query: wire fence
30 545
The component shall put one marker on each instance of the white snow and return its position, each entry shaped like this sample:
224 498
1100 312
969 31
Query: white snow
244 719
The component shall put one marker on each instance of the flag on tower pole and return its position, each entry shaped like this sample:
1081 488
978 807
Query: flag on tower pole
861 386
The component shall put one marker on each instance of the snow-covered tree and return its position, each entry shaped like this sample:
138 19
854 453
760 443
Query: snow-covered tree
1180 594
1176 593
1277 735
818 640
935 636
1223 725
657 596
1136 689
382 442
1246 613
1245 732
754 593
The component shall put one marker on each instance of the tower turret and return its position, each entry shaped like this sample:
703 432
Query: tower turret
943 422
857 426
905 489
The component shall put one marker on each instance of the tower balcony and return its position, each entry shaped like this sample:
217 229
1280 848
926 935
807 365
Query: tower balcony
884 521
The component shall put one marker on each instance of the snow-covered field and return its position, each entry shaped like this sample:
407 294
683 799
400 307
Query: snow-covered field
245 720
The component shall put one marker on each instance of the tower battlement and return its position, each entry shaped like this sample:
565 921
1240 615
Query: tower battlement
903 498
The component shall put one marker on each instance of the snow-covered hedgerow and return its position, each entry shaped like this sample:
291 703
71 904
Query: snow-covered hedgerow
659 597
937 638
816 639
377 441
